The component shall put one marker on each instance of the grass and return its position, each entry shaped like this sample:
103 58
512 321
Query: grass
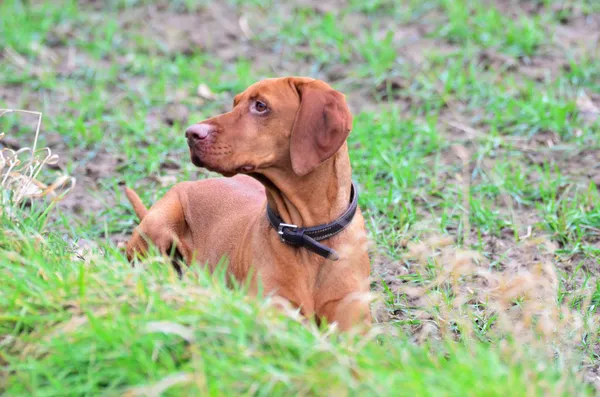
83 327
487 26
475 159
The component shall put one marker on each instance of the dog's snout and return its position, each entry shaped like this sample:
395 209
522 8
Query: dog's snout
198 132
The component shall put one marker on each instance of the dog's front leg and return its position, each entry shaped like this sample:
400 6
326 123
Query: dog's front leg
351 311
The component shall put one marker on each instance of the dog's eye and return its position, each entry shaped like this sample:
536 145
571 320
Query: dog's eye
259 107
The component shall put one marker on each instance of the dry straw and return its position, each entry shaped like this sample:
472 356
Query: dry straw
462 295
20 171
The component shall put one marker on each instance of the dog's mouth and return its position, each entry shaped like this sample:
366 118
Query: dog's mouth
202 160
196 160
214 155
205 152
246 169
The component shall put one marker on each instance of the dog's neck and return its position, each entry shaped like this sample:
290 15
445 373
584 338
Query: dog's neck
314 199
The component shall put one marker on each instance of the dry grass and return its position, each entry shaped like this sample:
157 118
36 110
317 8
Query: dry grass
21 170
455 293
522 299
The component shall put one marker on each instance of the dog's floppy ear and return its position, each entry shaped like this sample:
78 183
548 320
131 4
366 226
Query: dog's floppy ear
322 125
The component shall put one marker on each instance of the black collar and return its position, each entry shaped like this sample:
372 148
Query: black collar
309 237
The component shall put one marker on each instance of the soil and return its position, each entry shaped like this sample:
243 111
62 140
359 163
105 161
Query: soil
88 196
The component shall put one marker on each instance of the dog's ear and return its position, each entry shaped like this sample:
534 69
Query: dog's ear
322 125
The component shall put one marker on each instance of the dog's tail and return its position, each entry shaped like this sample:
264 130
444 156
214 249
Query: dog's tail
138 207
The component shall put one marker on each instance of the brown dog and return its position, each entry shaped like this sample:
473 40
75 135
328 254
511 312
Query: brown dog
288 136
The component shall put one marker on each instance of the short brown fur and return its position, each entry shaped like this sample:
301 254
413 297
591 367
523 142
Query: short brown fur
297 160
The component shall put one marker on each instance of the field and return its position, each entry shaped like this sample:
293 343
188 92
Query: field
476 149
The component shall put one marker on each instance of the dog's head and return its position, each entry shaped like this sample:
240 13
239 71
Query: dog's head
291 123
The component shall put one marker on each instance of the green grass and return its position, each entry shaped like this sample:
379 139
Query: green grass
467 127
485 25
72 327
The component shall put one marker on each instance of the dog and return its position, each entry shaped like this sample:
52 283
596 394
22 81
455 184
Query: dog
285 216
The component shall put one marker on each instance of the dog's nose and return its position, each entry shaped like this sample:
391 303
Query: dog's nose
198 132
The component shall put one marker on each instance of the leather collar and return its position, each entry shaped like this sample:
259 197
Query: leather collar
309 237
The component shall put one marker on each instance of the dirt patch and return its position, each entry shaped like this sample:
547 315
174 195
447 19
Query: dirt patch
210 30
440 290
219 30
90 198
583 165
169 114
576 35
10 96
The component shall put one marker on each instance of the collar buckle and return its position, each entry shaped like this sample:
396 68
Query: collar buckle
309 237
281 229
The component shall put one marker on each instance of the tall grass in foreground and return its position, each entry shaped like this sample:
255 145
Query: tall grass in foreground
99 327
87 323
